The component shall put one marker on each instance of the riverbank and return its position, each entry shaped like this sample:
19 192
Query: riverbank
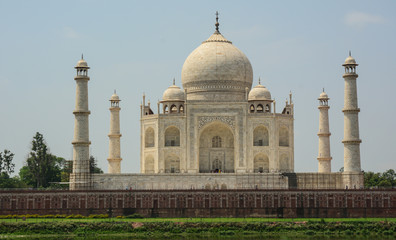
163 229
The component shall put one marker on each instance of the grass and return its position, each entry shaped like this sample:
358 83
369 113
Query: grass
212 227
199 220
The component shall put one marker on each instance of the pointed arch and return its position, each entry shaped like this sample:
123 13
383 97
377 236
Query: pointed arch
260 136
173 109
267 108
261 163
216 148
172 137
260 108
172 164
252 109
149 140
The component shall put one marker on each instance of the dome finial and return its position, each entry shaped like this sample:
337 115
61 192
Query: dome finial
174 81
350 53
115 92
217 22
82 55
323 89
259 81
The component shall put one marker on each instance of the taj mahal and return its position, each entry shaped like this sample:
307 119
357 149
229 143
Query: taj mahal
217 131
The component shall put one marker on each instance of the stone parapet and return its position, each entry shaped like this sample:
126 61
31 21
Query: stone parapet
204 203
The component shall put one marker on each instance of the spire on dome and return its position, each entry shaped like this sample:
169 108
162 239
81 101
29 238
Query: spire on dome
350 60
174 81
259 81
217 22
82 64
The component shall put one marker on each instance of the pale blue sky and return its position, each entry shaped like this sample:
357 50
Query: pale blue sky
139 46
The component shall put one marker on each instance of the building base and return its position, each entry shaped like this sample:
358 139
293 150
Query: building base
204 203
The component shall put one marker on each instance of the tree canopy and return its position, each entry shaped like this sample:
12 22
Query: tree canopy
6 164
385 179
41 167
93 166
6 169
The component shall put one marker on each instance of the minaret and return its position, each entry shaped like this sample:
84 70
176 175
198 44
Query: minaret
324 158
114 135
351 139
80 178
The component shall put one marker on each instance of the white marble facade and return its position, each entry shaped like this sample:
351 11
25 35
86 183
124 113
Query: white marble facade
218 123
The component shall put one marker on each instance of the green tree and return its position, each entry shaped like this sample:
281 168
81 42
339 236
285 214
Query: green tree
41 167
385 179
390 176
6 164
26 176
93 166
6 169
67 168
11 182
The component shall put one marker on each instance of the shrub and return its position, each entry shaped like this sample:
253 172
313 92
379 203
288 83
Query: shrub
98 216
75 216
135 215
310 232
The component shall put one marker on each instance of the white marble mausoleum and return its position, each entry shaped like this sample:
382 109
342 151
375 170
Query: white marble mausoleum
217 131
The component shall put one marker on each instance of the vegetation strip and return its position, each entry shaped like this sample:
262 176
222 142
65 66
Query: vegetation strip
140 228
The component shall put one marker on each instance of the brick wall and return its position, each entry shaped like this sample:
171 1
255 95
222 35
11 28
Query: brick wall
204 203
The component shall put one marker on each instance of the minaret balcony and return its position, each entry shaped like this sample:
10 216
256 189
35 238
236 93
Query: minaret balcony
327 134
81 112
350 74
351 110
352 141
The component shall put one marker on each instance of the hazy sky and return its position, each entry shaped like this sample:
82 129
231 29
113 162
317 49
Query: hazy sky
140 46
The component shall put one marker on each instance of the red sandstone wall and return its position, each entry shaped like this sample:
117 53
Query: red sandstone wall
204 203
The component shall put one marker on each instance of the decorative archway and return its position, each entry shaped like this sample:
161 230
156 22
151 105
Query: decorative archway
216 155
173 109
172 137
149 140
260 136
261 163
172 164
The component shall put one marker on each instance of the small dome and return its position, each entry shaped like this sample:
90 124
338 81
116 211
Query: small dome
82 64
173 93
323 95
259 92
350 61
115 97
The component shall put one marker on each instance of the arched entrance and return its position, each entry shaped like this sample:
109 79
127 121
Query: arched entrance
261 163
216 149
172 164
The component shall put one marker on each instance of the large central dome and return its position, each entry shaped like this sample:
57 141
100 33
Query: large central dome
217 71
